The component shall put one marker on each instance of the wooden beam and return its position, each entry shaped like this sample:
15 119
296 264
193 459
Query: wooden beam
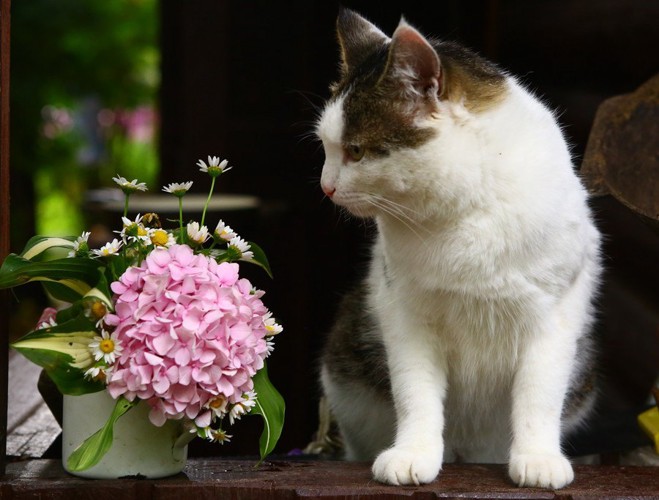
4 216
329 480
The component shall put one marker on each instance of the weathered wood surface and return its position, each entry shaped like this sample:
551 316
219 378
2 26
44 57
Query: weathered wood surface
237 479
31 427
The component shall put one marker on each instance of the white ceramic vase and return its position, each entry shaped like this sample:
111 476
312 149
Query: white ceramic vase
139 448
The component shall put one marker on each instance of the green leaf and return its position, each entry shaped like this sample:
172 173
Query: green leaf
60 291
117 266
91 451
101 291
62 351
270 405
260 258
219 255
75 310
39 244
72 381
77 274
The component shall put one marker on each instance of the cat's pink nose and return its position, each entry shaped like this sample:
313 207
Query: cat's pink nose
329 191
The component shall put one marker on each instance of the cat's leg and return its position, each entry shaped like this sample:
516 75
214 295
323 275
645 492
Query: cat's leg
365 419
541 382
418 383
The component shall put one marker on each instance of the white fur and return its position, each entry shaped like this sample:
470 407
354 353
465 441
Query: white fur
492 261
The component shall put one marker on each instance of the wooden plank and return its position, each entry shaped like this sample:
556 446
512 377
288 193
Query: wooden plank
32 438
210 479
31 427
23 396
4 214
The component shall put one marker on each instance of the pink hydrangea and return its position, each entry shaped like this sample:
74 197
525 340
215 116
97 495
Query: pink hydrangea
191 330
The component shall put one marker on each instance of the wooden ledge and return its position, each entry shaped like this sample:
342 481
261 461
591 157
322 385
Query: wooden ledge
215 478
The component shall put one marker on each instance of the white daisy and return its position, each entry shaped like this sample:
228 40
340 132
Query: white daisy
197 234
219 436
224 232
111 248
96 373
218 406
161 238
178 188
214 435
80 244
106 347
242 407
129 186
127 222
272 327
240 246
270 346
133 230
215 167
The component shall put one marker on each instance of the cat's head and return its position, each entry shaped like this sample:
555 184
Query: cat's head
379 126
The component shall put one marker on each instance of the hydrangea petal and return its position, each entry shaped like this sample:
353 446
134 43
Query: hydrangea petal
162 344
191 330
157 417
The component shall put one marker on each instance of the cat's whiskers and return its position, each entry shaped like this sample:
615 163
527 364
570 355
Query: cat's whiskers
405 211
310 136
306 95
397 211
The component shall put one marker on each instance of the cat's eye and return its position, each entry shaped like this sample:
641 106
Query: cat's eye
355 152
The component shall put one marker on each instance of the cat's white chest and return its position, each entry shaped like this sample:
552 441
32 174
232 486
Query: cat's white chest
457 261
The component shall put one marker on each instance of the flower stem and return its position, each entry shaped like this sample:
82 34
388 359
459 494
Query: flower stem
180 218
203 215
126 196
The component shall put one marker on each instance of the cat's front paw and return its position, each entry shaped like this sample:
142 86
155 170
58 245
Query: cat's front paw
405 466
540 470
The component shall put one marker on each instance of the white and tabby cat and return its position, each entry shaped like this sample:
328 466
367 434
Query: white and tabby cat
469 338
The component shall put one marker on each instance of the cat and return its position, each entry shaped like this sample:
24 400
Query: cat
469 338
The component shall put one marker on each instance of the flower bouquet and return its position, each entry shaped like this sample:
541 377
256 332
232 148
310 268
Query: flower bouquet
159 316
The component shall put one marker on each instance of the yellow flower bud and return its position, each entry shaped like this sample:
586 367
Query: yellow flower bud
98 309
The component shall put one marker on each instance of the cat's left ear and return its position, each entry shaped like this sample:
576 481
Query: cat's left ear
413 64
358 39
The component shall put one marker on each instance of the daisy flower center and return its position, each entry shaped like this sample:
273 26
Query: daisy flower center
106 346
216 403
159 237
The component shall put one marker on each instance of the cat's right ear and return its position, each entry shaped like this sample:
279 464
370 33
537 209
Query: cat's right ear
358 39
414 67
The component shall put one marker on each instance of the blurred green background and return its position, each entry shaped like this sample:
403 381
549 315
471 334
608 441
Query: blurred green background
85 76
84 84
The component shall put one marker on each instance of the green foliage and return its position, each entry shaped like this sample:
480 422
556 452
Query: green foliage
77 275
270 405
58 349
69 278
73 58
106 49
40 245
260 258
63 349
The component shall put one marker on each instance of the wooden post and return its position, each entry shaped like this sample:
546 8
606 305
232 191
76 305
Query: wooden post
4 218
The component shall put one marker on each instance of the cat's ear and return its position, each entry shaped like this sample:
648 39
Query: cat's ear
358 39
413 65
